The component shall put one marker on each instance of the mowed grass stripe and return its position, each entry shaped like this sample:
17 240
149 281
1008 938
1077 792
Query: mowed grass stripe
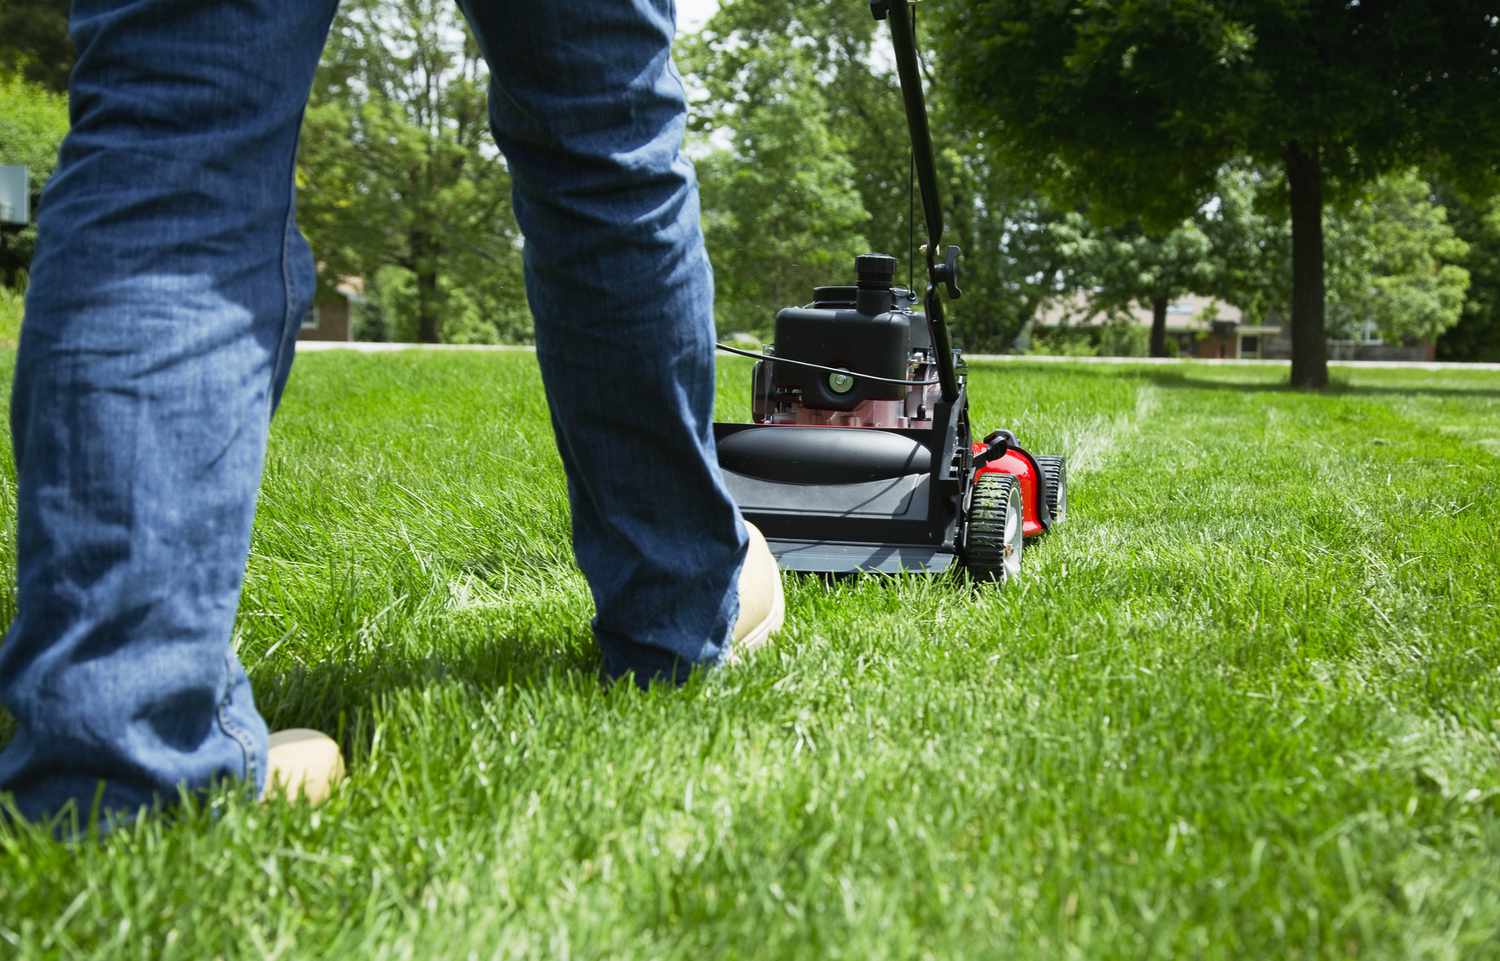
1241 705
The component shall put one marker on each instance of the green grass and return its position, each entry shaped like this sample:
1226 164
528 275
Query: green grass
1243 705
11 304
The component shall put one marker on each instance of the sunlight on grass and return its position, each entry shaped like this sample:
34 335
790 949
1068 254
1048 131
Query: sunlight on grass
1240 706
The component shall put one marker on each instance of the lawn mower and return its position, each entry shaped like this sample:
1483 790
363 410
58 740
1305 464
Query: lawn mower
860 455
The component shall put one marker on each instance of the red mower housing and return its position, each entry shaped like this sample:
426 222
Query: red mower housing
1024 468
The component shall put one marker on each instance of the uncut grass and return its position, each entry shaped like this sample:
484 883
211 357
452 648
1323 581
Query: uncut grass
1242 704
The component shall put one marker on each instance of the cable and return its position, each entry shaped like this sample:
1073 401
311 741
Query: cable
832 370
911 190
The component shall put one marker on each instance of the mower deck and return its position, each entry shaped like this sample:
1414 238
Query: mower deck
832 558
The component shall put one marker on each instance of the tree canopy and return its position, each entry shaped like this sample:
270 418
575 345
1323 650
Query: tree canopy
33 122
1115 152
1476 336
34 42
1134 108
398 170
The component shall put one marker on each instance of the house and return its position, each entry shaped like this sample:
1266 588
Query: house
1207 328
331 317
1200 326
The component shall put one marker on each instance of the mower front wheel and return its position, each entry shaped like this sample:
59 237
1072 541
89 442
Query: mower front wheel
994 537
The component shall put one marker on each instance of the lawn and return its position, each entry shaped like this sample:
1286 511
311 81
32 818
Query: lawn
1242 705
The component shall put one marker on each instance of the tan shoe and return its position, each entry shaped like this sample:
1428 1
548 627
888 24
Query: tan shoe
302 764
762 603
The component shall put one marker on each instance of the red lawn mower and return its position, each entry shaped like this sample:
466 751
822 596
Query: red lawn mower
860 456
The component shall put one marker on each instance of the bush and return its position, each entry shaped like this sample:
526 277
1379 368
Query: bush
1107 340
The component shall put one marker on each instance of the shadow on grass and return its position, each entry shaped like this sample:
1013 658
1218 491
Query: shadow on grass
338 696
1180 379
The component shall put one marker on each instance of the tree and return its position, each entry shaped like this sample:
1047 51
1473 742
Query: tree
33 122
741 58
1134 108
1394 263
1011 259
781 211
34 42
1121 266
1476 336
397 168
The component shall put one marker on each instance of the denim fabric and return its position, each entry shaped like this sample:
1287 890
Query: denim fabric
165 299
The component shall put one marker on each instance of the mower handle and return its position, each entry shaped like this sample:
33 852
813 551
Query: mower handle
904 40
944 271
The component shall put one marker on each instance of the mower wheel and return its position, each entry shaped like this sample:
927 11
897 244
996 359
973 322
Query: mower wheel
1055 470
992 546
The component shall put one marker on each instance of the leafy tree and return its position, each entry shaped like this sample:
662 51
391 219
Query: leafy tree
1394 263
34 42
397 168
741 58
1476 336
1121 266
1011 263
1134 108
781 212
1016 259
33 122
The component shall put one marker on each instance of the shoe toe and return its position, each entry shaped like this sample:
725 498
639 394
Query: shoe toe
762 602
303 764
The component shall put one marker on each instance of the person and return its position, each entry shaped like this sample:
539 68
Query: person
165 298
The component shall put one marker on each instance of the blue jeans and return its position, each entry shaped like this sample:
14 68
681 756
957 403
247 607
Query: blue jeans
165 300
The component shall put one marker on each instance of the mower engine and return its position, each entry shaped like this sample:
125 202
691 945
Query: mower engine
860 456
871 327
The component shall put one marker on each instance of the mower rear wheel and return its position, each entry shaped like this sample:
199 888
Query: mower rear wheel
1055 472
994 539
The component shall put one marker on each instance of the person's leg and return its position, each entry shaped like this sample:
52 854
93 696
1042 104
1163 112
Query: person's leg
165 295
589 111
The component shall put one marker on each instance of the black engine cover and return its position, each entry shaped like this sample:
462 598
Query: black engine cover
842 337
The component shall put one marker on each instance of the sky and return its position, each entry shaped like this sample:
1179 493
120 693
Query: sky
692 13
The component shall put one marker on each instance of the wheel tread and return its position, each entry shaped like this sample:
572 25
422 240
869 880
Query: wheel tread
985 546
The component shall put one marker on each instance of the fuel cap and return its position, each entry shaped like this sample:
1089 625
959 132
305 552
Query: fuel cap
875 270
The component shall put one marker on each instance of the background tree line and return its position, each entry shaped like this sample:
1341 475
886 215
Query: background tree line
1321 162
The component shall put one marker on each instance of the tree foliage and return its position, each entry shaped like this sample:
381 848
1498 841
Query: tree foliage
1125 265
1476 336
33 122
781 210
1395 264
397 169
1133 108
34 42
745 60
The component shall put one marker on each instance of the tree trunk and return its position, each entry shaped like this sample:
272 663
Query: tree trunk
1158 326
427 306
1304 175
423 256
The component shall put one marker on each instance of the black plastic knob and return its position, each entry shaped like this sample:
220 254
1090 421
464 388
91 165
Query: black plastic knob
875 271
946 272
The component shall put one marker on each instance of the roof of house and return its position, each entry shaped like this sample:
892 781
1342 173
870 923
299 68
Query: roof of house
1190 313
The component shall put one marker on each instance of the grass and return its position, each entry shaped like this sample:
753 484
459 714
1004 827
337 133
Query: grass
1243 705
11 304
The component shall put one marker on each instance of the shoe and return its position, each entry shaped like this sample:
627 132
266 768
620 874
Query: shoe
762 603
302 764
